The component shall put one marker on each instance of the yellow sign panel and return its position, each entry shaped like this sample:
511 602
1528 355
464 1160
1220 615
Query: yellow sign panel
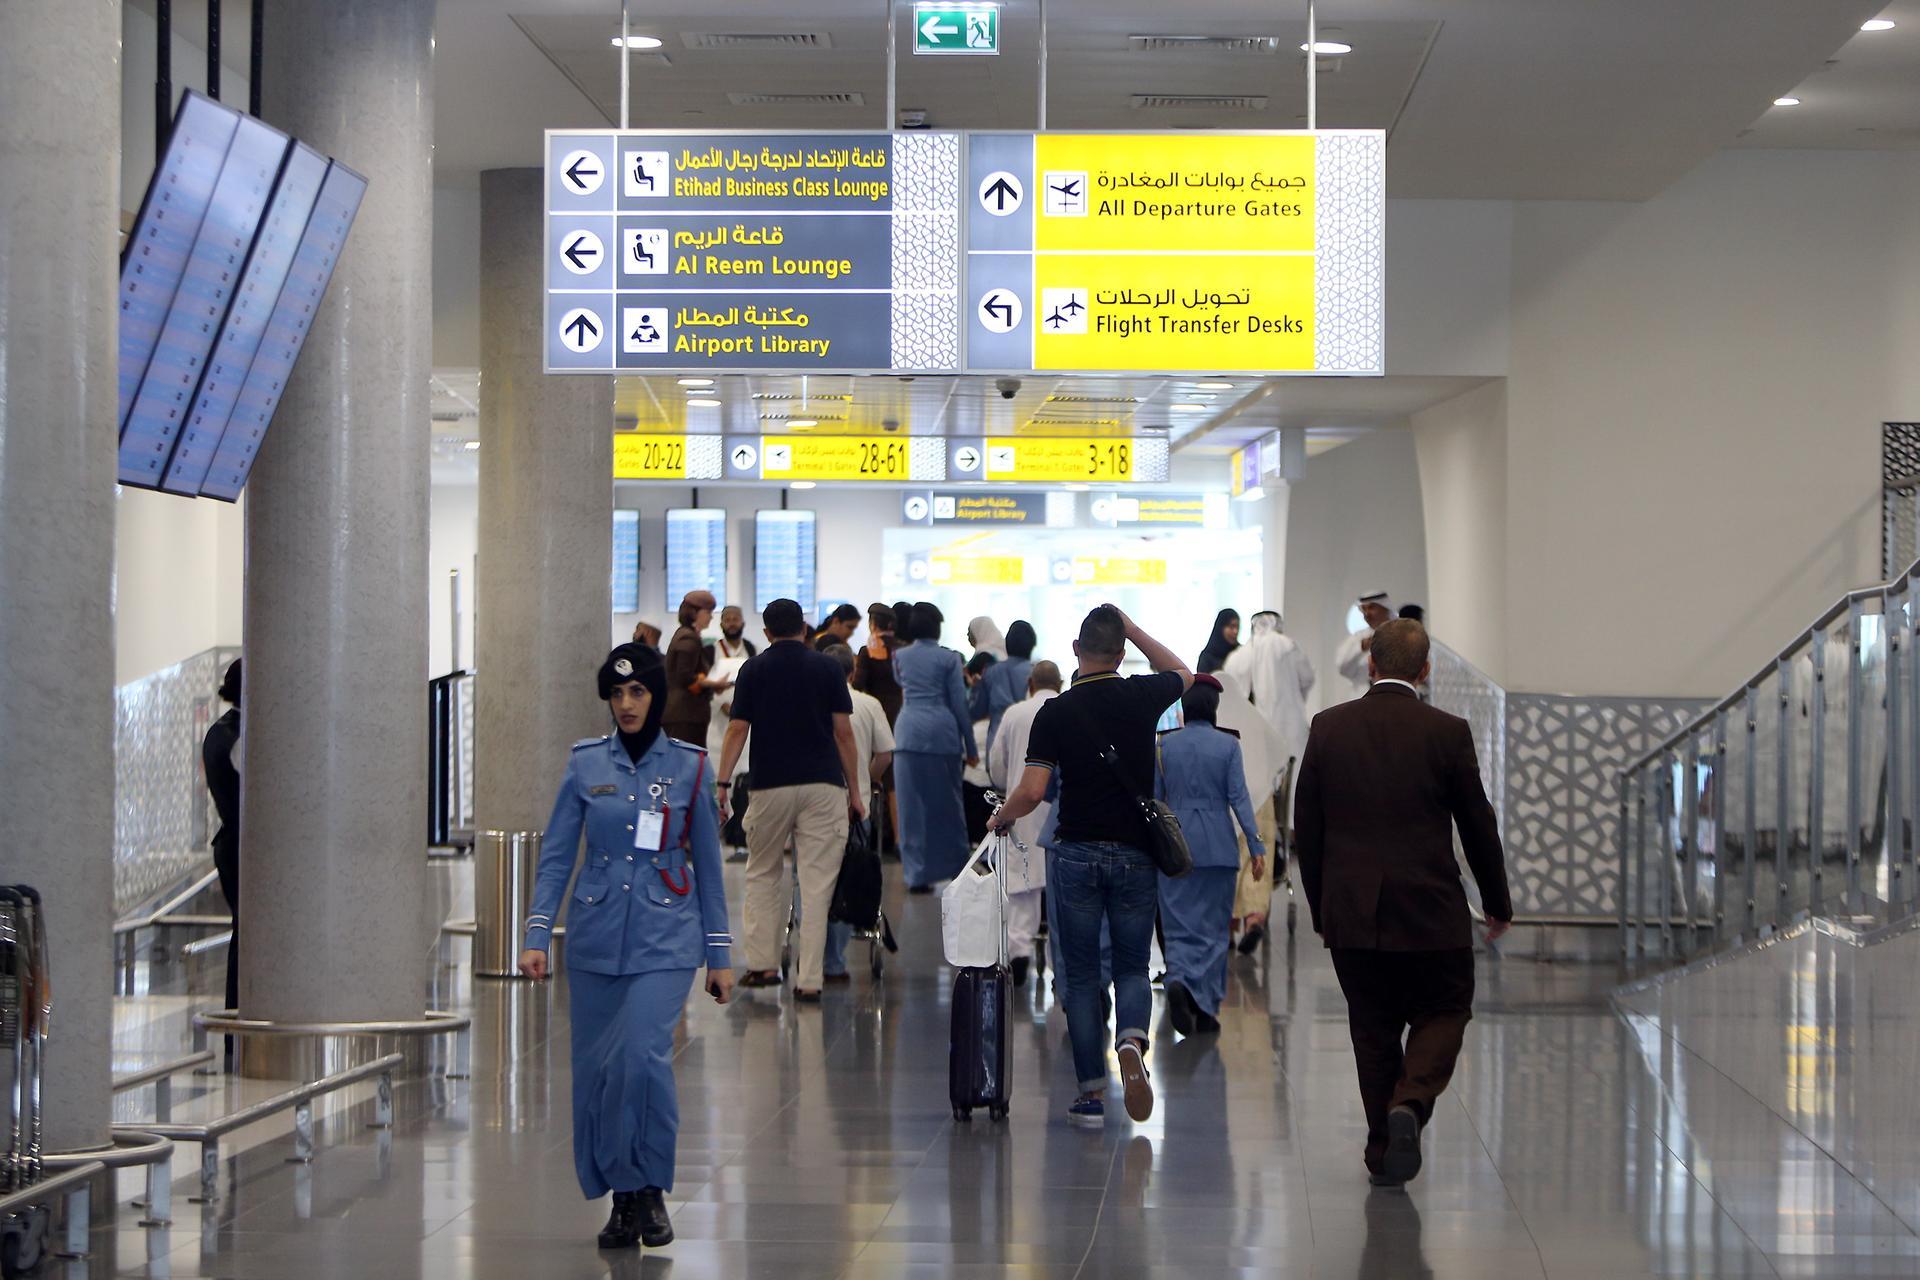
1160 192
641 457
1170 311
978 571
1239 464
1119 572
833 458
1090 458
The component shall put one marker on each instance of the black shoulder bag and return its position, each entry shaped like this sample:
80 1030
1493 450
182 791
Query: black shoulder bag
1165 842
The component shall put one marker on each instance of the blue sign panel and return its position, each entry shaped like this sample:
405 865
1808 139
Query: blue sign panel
696 553
313 262
799 252
625 577
260 285
783 557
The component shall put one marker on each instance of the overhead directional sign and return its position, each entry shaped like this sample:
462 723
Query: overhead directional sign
956 28
1255 252
804 252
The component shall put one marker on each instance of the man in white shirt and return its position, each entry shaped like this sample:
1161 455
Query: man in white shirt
872 753
1026 868
1377 609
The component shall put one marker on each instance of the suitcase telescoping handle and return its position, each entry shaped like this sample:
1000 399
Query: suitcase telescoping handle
1002 846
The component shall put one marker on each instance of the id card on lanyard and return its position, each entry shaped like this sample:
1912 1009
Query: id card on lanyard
650 826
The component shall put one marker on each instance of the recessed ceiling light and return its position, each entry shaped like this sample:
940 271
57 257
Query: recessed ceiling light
1878 24
1190 408
696 382
639 42
1329 48
473 446
702 402
801 484
1215 386
802 422
1786 102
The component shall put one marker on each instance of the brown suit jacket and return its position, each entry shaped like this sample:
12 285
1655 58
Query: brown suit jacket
1382 783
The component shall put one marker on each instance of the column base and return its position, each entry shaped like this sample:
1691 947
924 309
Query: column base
309 1050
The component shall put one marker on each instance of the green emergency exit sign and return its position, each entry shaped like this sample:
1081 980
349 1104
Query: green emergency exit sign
956 28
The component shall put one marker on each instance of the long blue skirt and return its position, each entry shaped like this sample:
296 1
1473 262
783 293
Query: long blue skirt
933 823
626 1115
1196 915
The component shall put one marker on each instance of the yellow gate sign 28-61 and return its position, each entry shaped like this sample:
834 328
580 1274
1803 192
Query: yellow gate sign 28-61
1091 458
834 458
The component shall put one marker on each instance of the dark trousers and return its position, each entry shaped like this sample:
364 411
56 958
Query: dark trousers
1425 997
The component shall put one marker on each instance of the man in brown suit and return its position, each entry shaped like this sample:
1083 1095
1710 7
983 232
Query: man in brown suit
1382 783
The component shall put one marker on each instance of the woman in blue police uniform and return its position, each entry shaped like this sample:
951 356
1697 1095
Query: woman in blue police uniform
648 910
1202 778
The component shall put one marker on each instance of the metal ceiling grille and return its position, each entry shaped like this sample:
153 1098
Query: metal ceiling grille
1205 44
756 39
797 99
1200 101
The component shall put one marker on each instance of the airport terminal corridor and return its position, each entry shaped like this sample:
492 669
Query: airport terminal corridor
816 1142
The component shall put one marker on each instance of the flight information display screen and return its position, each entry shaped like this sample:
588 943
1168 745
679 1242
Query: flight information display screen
626 562
783 557
696 553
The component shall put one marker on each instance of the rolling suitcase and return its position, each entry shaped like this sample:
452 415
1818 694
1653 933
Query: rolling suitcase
978 1045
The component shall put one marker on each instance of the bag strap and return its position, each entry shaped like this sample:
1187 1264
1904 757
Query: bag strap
1107 754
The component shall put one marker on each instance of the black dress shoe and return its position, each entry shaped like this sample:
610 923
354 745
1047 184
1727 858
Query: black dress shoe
1181 1007
1251 939
1020 964
1402 1161
623 1224
1204 1023
919 888
656 1228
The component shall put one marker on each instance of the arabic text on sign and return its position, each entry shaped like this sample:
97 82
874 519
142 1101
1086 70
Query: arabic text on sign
1060 460
836 458
648 457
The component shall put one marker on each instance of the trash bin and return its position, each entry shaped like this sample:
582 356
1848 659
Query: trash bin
504 865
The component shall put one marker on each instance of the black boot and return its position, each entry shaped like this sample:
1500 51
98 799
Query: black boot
656 1228
623 1224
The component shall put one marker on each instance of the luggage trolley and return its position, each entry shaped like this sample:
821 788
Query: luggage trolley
25 1007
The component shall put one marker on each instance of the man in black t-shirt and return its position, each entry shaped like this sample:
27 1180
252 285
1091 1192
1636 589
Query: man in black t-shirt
1098 867
795 703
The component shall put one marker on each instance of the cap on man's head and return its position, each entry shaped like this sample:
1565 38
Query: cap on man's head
784 619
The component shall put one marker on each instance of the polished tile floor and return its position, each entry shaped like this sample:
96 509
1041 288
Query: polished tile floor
816 1142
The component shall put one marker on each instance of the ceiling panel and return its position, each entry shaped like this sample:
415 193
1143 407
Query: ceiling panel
1865 98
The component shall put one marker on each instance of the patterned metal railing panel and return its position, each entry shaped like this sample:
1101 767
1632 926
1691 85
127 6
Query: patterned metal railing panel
1456 685
163 816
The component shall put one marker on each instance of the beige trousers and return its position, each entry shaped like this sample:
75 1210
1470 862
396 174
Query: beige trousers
814 817
1250 896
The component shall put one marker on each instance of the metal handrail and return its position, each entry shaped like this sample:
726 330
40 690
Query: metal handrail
1833 614
133 1148
148 1075
76 1184
171 905
299 1100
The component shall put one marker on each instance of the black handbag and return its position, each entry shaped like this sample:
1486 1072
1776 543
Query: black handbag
1166 843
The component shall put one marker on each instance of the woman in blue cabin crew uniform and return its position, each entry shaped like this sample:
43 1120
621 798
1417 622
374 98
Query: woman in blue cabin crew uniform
931 740
1006 681
1202 778
648 910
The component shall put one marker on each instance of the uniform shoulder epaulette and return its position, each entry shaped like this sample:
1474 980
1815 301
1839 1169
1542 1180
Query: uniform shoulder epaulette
591 742
688 746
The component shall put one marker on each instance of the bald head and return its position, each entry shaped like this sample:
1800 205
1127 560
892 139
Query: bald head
1045 675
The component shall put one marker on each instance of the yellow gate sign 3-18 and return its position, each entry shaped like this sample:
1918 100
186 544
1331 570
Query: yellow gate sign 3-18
1091 458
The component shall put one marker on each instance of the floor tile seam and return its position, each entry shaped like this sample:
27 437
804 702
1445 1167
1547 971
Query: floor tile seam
1626 1017
1690 1166
1100 1211
1480 1137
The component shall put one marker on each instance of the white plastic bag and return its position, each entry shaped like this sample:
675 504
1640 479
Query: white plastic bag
973 924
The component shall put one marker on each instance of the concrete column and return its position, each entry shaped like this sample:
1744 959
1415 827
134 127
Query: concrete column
546 519
333 800
59 225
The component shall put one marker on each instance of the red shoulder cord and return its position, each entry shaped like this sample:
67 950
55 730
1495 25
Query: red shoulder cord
685 884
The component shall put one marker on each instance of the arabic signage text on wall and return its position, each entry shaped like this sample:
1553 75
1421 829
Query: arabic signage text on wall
1253 252
808 252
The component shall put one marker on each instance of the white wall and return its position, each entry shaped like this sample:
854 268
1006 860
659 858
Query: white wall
1449 276
1462 449
139 35
453 541
1693 416
176 575
1353 524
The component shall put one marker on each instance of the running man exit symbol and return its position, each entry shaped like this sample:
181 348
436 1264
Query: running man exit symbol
956 28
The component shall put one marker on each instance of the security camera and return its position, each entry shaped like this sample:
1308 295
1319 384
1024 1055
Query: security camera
890 424
1007 387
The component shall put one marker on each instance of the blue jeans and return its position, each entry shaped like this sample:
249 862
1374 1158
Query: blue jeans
834 964
1116 884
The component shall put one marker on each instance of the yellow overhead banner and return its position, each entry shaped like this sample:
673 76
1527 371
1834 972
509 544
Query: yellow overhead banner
833 458
1092 458
1162 192
1103 571
643 457
978 571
